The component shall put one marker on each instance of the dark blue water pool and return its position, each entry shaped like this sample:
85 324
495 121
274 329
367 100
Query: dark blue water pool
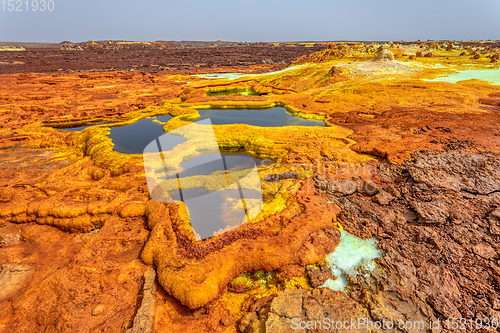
133 138
214 210
274 117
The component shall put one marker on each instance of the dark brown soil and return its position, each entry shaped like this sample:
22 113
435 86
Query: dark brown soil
165 56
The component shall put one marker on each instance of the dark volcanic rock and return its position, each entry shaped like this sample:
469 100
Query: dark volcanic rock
383 198
310 306
148 57
431 212
457 171
439 231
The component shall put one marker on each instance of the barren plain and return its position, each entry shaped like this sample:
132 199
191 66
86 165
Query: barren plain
84 248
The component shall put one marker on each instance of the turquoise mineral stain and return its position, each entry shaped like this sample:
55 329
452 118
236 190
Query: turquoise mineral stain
352 256
488 75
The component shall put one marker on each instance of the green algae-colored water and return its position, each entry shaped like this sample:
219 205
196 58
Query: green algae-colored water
352 253
233 76
489 75
233 92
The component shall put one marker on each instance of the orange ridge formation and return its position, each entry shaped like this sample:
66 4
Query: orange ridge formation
198 272
75 181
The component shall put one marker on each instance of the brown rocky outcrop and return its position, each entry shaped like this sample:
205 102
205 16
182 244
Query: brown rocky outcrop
385 55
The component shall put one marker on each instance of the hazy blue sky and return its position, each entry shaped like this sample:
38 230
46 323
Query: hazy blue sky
257 20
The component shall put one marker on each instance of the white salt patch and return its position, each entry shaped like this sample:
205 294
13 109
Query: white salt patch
351 254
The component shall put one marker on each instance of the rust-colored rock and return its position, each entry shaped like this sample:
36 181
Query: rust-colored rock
385 55
13 277
318 275
334 71
196 273
304 310
427 251
435 213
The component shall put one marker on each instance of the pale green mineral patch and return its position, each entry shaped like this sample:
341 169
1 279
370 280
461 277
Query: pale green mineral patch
489 75
352 256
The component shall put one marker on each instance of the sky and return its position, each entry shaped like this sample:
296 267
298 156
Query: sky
257 20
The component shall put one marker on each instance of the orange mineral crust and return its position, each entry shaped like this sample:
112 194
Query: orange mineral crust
197 272
83 247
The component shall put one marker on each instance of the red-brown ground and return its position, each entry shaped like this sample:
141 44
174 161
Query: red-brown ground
74 218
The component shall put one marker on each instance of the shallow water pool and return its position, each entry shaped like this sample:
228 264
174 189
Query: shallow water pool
216 204
235 92
233 76
489 75
133 138
274 117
